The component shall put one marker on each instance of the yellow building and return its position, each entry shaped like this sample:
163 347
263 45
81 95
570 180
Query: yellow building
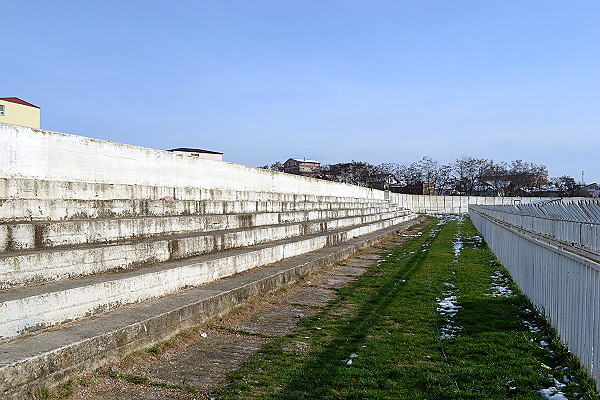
19 112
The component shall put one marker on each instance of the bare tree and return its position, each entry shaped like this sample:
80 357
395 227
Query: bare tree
496 178
567 186
355 173
466 176
276 166
444 178
389 168
431 172
469 175
428 169
525 178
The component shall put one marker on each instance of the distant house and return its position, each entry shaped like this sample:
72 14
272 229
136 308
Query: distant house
207 154
301 167
593 189
19 112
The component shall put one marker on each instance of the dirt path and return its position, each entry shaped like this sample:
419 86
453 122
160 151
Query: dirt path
197 361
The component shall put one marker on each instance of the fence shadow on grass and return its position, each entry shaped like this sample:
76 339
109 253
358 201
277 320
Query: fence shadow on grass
321 373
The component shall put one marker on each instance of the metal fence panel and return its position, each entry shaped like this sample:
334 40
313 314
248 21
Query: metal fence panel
552 252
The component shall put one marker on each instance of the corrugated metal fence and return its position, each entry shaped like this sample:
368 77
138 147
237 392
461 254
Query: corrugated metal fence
552 252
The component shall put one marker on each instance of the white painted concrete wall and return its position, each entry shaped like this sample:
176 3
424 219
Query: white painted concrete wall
54 156
452 204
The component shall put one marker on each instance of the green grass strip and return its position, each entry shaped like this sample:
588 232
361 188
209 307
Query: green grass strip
436 319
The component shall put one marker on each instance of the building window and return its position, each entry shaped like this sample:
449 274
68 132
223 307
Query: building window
1 110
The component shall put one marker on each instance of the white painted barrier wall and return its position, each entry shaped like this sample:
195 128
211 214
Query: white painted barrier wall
561 282
54 156
452 204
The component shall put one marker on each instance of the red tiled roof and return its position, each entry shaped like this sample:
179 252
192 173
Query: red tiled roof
18 101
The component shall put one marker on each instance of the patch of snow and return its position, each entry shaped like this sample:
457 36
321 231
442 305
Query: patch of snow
449 331
532 327
448 308
499 286
457 245
554 392
434 232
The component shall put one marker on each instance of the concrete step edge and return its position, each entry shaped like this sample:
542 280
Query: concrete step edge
38 266
29 188
13 211
40 307
50 234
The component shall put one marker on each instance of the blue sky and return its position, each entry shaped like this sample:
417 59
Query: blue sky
262 81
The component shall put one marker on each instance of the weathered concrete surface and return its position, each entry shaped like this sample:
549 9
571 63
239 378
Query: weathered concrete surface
333 280
274 321
25 209
50 357
35 235
55 303
134 392
46 155
214 357
312 296
25 267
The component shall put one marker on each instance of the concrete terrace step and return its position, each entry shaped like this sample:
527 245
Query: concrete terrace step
50 357
39 306
23 210
38 266
39 189
32 235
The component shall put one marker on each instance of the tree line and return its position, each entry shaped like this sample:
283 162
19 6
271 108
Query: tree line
466 176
